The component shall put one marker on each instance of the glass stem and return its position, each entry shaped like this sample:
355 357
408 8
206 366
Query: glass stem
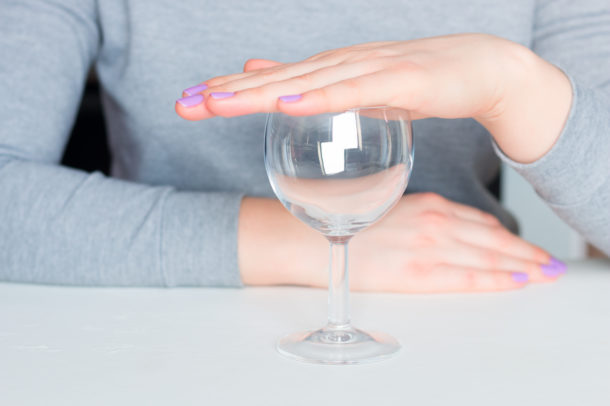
338 283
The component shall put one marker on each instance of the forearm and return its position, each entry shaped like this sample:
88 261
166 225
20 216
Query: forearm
275 248
62 226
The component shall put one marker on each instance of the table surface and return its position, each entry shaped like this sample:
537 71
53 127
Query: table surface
542 345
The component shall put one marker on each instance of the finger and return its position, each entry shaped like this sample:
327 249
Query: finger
392 88
258 98
263 76
266 66
353 51
220 80
453 278
255 64
280 73
499 239
486 259
250 66
192 108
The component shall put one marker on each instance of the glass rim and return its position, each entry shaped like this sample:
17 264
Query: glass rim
375 108
353 110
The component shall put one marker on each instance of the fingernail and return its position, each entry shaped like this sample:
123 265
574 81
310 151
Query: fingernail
291 98
195 89
550 269
559 265
191 101
520 277
222 95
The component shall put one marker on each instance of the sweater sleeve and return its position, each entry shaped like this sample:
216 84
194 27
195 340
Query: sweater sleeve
574 176
63 226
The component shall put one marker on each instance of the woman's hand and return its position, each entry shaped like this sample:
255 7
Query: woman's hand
520 98
424 244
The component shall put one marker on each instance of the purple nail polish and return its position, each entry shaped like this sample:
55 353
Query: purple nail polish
222 95
559 265
291 98
191 101
195 89
550 269
520 277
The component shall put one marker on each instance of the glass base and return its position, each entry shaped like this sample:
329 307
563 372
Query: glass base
338 345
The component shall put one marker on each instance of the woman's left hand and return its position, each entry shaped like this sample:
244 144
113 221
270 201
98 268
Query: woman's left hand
501 84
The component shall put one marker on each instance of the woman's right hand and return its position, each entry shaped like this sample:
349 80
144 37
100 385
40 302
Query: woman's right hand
426 243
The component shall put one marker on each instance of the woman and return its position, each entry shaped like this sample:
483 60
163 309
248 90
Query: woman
177 214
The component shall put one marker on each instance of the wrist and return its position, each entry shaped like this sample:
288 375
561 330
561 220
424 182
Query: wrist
531 109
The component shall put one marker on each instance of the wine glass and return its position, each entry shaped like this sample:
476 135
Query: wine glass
339 173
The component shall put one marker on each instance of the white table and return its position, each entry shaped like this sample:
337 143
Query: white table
543 345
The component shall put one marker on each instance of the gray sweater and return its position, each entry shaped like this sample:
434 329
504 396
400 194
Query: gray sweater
168 215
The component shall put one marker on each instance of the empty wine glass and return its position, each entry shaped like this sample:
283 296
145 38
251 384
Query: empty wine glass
339 173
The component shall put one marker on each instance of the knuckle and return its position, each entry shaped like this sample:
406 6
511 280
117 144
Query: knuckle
347 54
424 240
321 92
359 54
407 64
257 92
331 53
471 280
502 280
418 270
432 199
352 56
352 86
323 96
382 52
305 80
268 74
433 220
502 237
261 98
490 260
490 218
213 82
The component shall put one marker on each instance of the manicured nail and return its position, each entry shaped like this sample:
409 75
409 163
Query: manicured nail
550 269
291 98
222 95
195 89
520 277
191 101
559 265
